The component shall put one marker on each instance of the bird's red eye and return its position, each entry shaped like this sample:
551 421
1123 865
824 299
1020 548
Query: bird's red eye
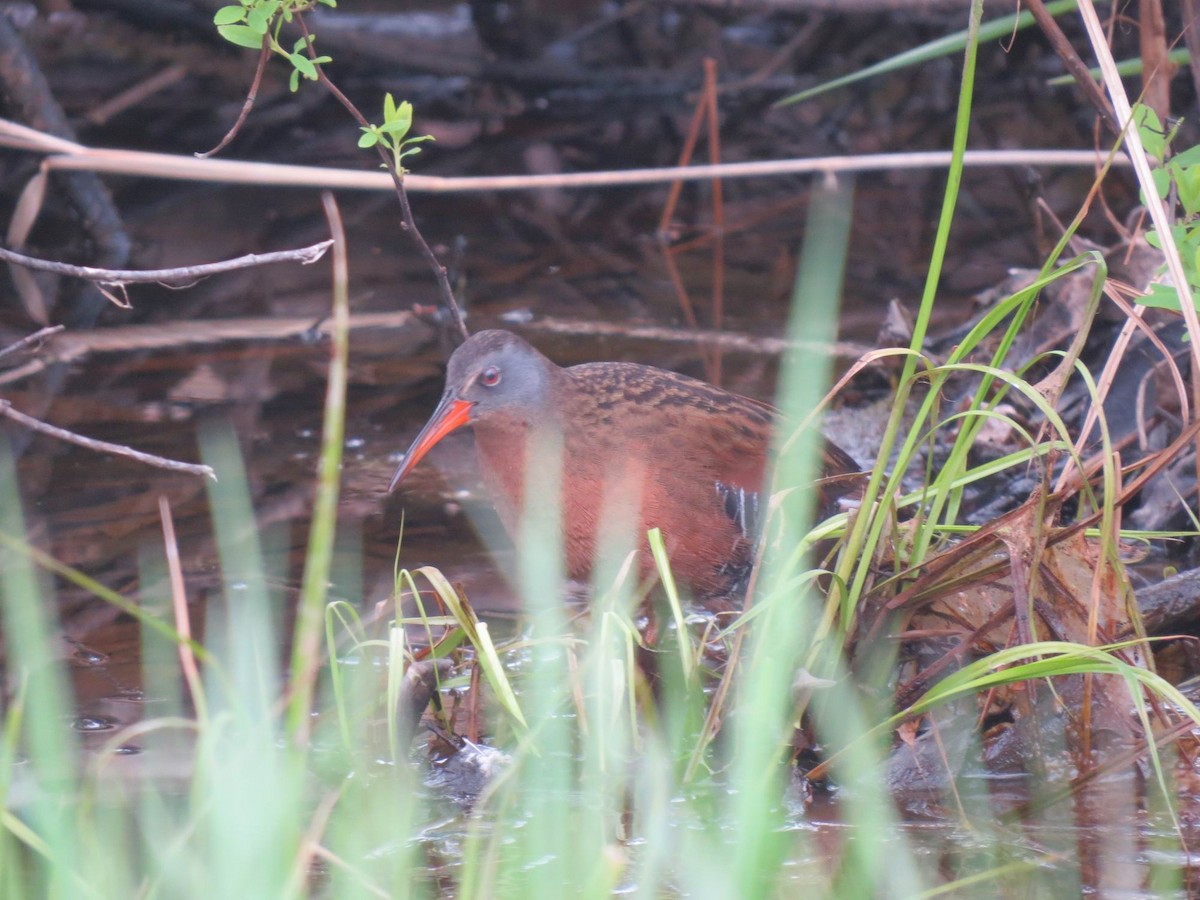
490 377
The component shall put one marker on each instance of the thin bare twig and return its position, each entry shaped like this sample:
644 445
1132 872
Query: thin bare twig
718 210
183 274
136 94
30 339
778 58
441 276
1075 65
665 233
161 462
668 213
247 105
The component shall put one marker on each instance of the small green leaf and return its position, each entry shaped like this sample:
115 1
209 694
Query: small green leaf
1151 130
1162 182
229 15
301 44
304 66
294 81
258 19
1125 67
1161 297
404 113
389 107
1187 158
241 35
411 151
1188 181
995 29
368 139
396 128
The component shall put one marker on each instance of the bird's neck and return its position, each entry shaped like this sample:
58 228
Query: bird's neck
517 457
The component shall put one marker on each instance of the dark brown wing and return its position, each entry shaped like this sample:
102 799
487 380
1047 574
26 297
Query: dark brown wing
682 418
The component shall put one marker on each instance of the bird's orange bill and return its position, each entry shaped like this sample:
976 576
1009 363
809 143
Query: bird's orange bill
450 414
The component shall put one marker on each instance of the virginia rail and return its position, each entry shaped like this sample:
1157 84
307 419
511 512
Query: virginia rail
640 445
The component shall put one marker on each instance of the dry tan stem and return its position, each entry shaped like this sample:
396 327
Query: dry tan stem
718 207
1154 205
671 251
68 155
183 622
310 845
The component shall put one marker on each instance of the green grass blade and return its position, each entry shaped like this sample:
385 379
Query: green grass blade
996 29
33 654
319 557
659 550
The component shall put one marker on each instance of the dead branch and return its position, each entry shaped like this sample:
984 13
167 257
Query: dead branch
161 462
30 339
181 275
1171 605
1076 66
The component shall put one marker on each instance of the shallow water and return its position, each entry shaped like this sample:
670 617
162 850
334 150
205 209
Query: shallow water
585 258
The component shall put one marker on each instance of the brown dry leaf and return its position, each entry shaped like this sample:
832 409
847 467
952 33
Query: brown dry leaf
1024 579
25 214
907 732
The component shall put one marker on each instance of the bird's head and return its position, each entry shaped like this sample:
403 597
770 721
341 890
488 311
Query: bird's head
493 373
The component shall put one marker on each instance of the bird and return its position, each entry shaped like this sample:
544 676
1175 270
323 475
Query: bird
641 447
